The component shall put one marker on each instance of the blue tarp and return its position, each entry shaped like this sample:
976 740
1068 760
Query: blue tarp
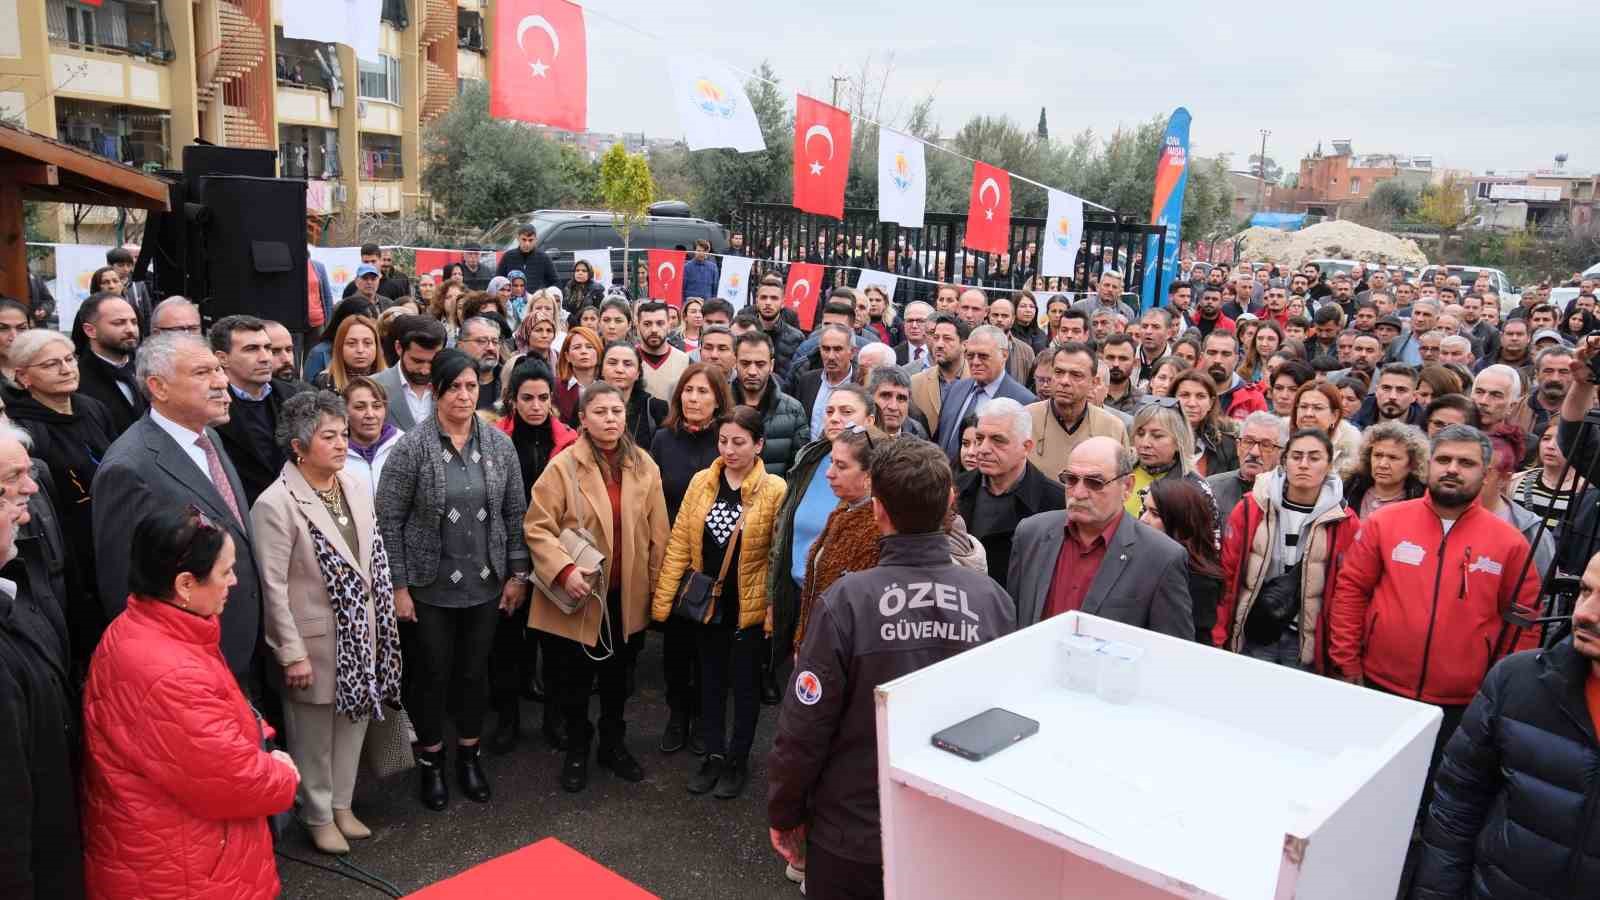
1281 221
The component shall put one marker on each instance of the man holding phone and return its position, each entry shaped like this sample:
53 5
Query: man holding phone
915 608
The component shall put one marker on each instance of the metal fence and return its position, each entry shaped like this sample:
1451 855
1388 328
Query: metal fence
779 231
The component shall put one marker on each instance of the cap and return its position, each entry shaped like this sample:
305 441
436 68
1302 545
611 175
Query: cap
1550 334
1247 317
1391 321
366 269
514 274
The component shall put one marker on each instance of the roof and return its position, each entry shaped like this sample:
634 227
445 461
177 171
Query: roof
50 170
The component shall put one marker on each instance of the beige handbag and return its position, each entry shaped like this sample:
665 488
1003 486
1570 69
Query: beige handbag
581 547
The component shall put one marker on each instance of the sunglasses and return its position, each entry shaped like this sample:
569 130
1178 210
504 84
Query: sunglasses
1094 483
856 428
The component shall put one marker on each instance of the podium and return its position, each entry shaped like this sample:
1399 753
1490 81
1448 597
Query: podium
1225 777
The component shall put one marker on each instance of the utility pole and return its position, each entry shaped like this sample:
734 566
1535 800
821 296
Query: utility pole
1261 170
838 77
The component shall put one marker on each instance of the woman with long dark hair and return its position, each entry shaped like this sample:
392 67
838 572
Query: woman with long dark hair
620 368
1215 436
1183 512
1026 325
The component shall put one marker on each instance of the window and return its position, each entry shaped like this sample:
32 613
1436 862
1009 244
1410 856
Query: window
1355 185
130 26
379 80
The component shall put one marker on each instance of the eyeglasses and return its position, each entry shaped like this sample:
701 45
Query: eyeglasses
1247 443
55 366
1094 483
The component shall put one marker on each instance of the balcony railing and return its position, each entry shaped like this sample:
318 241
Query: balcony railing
121 27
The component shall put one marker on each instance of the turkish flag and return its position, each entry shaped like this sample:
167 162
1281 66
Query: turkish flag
989 210
801 293
538 64
821 156
666 276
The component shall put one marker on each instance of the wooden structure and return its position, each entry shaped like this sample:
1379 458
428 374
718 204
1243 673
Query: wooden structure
34 167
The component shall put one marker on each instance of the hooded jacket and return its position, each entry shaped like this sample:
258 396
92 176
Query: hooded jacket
1250 557
1417 610
787 426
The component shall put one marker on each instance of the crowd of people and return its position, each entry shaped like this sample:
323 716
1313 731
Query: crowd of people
466 496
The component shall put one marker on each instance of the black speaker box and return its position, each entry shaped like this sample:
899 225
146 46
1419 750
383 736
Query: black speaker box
254 247
200 160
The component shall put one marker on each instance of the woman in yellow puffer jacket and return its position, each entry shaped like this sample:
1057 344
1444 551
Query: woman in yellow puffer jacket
724 529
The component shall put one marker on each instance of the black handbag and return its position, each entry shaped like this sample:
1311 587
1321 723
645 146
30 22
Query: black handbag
277 822
1276 608
697 594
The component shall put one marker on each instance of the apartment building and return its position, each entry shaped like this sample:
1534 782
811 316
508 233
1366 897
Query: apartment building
136 80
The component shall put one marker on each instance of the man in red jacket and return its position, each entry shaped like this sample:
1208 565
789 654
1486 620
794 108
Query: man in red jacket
1417 607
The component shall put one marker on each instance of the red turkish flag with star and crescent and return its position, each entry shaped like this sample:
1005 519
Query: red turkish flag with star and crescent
801 293
989 210
821 156
538 64
666 276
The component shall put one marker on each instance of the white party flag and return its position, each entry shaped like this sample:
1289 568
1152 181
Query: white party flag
734 285
75 265
341 263
902 179
599 265
1063 233
354 23
873 277
712 105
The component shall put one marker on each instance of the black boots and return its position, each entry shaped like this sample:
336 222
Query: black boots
613 753
469 774
507 725
554 728
706 777
677 732
575 765
735 774
432 789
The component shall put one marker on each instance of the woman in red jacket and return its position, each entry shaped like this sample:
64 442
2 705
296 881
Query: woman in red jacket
177 783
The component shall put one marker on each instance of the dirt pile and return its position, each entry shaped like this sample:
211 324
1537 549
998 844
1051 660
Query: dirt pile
1328 240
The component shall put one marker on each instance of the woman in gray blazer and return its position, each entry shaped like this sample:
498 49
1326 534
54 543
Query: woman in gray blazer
450 506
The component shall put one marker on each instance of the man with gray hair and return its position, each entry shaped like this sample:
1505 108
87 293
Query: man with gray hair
1496 391
1437 572
175 314
480 339
1457 349
173 458
1424 316
836 346
1108 296
889 388
870 357
1262 438
986 381
1005 488
914 353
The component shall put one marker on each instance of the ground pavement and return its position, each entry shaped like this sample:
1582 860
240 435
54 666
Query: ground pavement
655 833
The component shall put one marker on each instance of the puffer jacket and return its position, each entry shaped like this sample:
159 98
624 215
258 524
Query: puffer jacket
1252 536
176 786
1417 611
762 496
786 340
787 425
1516 808
848 543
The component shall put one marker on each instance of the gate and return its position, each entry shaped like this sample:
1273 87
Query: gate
779 231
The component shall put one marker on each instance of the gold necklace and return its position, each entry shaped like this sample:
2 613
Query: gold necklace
333 499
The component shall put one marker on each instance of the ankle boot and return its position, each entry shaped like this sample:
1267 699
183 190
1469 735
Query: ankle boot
508 724
432 788
575 765
469 772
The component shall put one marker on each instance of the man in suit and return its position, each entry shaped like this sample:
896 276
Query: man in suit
814 388
107 333
171 457
250 433
1096 558
1005 488
914 353
947 337
986 367
417 339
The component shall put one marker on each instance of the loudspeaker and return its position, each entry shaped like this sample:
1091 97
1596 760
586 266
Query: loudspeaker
200 160
254 247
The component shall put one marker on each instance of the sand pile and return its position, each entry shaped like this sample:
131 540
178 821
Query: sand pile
1328 240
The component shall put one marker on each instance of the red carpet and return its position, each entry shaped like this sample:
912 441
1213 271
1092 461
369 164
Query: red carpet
548 868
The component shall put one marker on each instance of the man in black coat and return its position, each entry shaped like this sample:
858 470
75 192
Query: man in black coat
105 335
528 259
1005 488
787 426
1516 805
249 434
41 845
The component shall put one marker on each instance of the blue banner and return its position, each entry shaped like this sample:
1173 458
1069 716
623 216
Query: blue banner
1166 208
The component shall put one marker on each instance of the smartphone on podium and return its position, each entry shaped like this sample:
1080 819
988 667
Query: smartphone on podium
985 734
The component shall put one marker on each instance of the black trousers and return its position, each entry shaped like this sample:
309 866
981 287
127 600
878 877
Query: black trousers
513 659
580 673
680 662
452 664
830 877
730 660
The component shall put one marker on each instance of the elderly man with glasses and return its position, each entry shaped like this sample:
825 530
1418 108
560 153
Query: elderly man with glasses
1095 557
1262 437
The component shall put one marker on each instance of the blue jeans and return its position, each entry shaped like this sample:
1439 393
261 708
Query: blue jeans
1285 651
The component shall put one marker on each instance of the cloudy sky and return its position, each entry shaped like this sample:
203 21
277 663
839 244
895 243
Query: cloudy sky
1478 86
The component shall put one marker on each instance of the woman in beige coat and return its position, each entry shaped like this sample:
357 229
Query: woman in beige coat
328 609
603 483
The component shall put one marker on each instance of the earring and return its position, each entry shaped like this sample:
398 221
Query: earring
184 604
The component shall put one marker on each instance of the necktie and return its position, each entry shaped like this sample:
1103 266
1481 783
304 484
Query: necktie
219 478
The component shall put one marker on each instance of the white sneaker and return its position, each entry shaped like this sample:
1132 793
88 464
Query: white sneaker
798 876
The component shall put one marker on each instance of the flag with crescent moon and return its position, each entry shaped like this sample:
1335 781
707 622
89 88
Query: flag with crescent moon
1063 233
989 210
539 65
902 179
666 276
733 284
821 156
713 106
800 294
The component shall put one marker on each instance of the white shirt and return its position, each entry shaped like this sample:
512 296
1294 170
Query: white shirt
186 441
421 407
127 392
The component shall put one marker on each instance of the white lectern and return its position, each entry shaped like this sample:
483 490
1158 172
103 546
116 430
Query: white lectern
1226 777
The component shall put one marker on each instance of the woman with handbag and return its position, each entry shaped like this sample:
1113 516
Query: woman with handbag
1281 557
328 612
450 506
714 582
597 528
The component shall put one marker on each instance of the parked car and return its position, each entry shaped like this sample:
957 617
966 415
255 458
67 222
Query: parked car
1510 297
561 231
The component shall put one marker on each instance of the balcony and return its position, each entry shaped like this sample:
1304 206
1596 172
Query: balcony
130 135
93 74
299 105
130 28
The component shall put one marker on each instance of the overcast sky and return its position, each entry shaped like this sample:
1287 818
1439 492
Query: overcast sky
1476 92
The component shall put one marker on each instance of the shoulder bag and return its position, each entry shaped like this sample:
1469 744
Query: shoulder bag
1277 606
697 595
579 544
